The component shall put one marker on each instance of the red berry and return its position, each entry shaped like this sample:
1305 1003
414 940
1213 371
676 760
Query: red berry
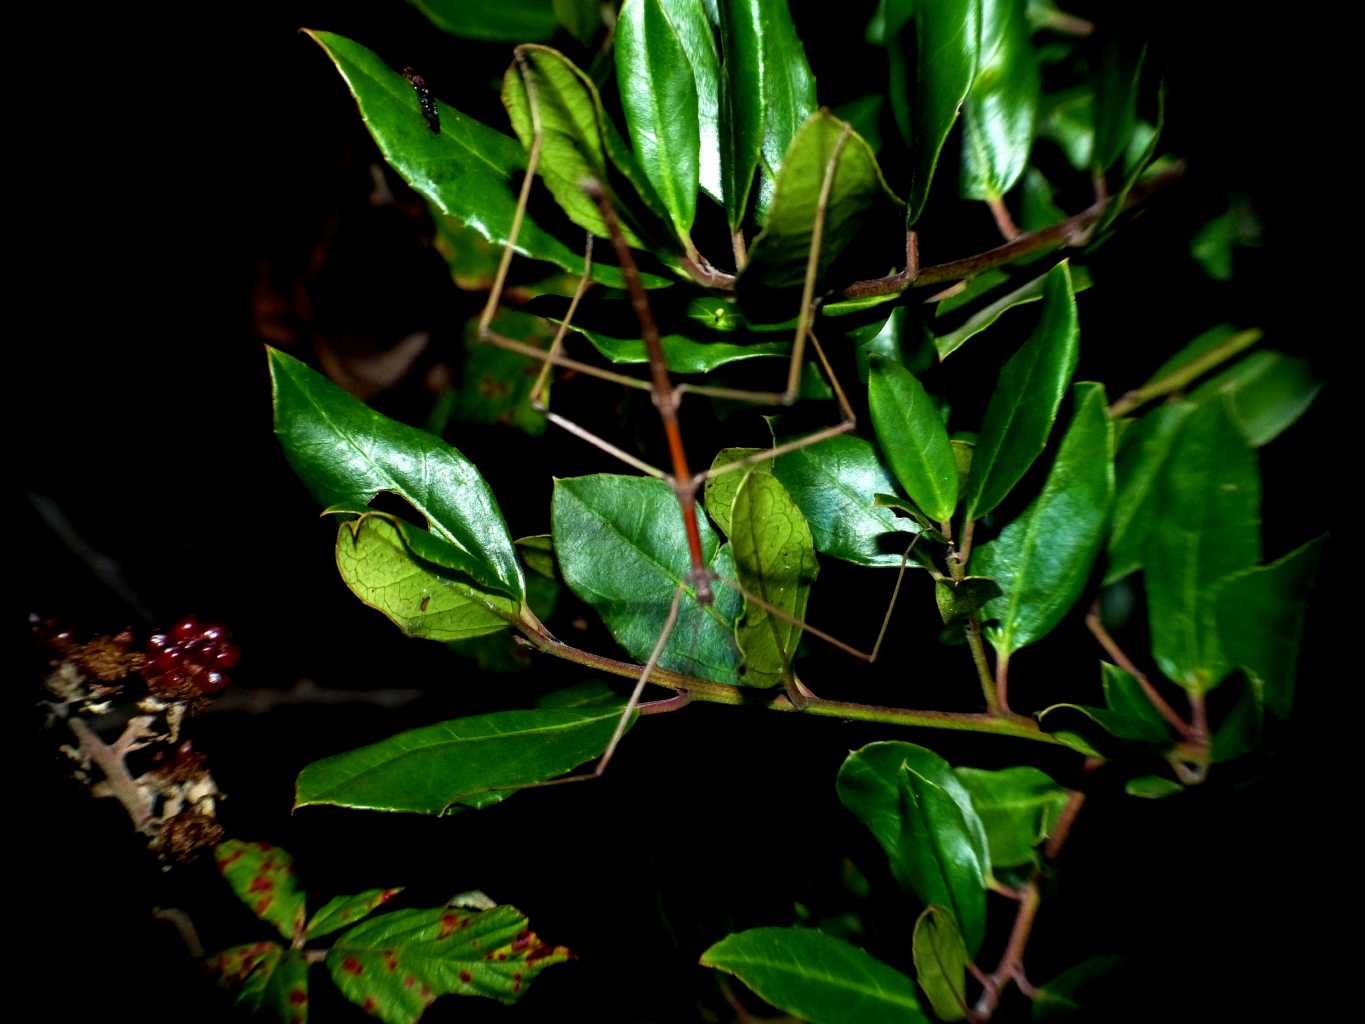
157 642
213 634
168 660
227 656
212 682
186 628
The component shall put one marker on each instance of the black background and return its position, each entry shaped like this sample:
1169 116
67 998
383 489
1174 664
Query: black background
168 165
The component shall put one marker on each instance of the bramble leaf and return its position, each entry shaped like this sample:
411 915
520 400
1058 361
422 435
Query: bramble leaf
262 876
341 911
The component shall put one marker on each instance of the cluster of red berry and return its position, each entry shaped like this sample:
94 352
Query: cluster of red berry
192 659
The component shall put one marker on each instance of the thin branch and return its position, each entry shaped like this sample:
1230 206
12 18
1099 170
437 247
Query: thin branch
109 759
184 926
1111 648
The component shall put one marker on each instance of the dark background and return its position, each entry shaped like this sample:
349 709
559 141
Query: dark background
181 171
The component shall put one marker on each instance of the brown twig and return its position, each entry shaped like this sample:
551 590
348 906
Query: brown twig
109 759
1111 648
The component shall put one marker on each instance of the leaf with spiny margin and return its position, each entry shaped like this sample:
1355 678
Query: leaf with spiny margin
1042 560
719 491
341 911
1260 615
659 98
1127 713
1002 105
1029 291
911 432
267 979
1143 452
835 484
1024 403
467 169
578 142
819 978
503 21
413 594
347 454
684 353
1207 528
622 548
781 252
396 965
262 876
775 558
922 816
470 762
959 599
941 963
695 27
1265 393
1019 808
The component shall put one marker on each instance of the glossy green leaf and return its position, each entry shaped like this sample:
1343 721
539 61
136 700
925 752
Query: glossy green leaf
775 558
342 911
941 963
1027 395
1118 75
959 599
911 432
267 979
835 484
1042 560
1260 615
695 21
1000 110
923 818
464 763
1127 713
819 978
1208 527
659 97
394 966
1029 291
622 548
859 196
346 454
719 493
495 384
685 354
1146 446
1265 393
1068 996
504 21
1019 808
414 595
262 876
1152 787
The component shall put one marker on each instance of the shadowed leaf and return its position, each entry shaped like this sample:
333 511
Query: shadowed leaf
941 963
1018 808
505 21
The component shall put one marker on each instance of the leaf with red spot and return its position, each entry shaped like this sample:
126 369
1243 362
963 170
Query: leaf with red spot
347 910
263 876
267 978
396 965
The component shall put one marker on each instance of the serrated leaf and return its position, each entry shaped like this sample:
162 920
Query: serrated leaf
1260 615
719 491
821 979
683 353
1042 560
414 595
835 484
922 816
1018 807
267 979
470 762
1265 393
262 876
347 454
495 384
341 911
959 599
1207 527
1146 446
1002 105
1027 395
1127 714
622 548
941 963
775 558
396 965
506 21
1029 291
659 97
911 432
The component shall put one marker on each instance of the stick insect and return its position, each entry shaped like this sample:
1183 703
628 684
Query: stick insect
700 581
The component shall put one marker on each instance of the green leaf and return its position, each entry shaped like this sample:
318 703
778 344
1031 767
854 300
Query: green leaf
1027 395
1152 787
1067 118
1019 808
267 979
396 965
941 963
341 911
695 27
1115 104
1000 110
347 454
835 483
1212 348
580 18
1213 245
685 354
503 21
415 595
467 762
579 141
858 197
911 432
775 558
1207 528
1029 291
593 693
819 978
1037 207
1042 560
1240 731
659 97
923 818
1135 164
1145 449
622 549
495 384
262 876
1127 714
1260 615
720 491
1265 393
865 114
538 552
1067 996
958 599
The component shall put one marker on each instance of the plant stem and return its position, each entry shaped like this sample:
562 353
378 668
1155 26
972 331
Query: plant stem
1179 379
1009 231
983 667
1111 648
109 759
